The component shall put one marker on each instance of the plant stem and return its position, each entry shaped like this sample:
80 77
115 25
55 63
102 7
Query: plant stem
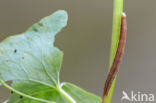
118 9
66 95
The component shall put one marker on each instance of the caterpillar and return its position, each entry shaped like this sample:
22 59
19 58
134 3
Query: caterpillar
118 57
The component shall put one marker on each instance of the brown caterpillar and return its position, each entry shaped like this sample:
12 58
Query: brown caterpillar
118 57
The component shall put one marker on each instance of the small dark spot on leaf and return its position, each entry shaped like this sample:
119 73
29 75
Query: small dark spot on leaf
1 52
12 92
40 24
35 30
21 97
7 61
27 37
23 58
15 51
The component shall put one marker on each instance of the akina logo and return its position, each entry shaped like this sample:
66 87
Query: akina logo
138 97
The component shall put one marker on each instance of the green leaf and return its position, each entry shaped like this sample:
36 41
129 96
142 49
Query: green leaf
33 63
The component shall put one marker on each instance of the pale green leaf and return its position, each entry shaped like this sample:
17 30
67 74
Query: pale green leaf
33 63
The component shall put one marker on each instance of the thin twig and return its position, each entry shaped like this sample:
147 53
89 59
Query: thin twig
118 57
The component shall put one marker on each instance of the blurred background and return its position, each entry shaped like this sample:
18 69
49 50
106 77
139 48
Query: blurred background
86 41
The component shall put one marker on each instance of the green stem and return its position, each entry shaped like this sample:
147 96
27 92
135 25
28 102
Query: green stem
66 95
118 9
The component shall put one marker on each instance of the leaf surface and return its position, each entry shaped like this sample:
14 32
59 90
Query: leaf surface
33 63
